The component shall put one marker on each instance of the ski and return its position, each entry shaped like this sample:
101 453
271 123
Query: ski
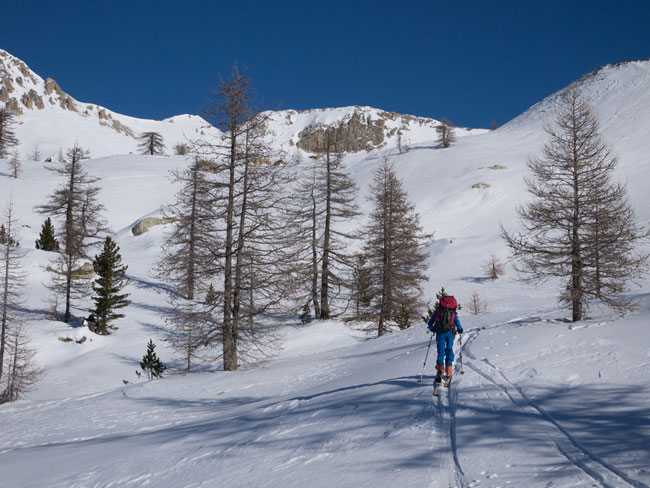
436 388
447 381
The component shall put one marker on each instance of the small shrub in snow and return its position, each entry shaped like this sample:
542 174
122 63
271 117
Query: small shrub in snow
476 305
493 268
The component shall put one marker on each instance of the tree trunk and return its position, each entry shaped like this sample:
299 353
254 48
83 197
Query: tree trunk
229 331
191 258
5 303
324 290
314 257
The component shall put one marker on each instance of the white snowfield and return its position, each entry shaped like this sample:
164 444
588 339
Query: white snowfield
543 402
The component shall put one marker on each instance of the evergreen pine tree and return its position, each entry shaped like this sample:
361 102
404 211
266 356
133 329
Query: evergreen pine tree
151 364
47 239
5 238
439 295
305 316
211 295
111 279
403 319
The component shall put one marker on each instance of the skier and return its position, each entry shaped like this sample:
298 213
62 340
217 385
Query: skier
445 323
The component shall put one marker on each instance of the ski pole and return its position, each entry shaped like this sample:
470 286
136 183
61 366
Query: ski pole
461 354
425 358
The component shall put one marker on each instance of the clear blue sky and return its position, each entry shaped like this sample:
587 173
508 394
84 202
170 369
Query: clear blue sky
469 61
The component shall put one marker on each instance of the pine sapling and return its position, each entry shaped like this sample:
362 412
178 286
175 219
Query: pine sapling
305 316
403 318
151 364
47 239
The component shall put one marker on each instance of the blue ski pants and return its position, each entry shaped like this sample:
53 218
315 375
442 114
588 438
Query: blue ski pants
445 343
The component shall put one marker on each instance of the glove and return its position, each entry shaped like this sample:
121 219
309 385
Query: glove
460 331
430 327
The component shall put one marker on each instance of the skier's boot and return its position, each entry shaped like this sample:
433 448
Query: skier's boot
438 381
448 376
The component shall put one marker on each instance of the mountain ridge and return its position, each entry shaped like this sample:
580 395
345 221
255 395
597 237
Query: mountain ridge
32 98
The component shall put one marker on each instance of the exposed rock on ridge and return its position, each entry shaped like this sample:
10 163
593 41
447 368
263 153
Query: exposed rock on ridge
363 130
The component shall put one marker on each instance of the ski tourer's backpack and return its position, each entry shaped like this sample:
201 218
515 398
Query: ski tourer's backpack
446 315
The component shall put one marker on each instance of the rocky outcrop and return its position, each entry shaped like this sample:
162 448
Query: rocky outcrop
65 101
148 222
32 100
359 133
362 130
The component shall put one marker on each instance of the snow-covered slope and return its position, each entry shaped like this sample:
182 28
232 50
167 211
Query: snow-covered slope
50 120
542 402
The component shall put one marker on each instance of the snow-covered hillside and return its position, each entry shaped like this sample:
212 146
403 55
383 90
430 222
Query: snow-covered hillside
542 402
50 120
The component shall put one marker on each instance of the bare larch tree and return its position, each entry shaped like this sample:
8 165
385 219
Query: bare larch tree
17 370
325 204
15 167
395 248
183 261
579 226
493 268
307 214
248 200
151 143
340 194
7 135
75 203
446 133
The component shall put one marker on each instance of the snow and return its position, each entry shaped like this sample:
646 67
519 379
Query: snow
542 401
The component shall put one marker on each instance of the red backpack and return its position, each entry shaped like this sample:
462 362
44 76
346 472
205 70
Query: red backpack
446 315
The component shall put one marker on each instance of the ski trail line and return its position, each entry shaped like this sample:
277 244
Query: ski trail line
449 465
595 472
549 418
452 396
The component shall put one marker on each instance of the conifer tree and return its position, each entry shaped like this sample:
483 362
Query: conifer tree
305 316
325 201
7 134
403 318
395 248
362 292
111 280
249 200
17 369
151 143
15 167
446 133
47 238
151 364
579 226
493 268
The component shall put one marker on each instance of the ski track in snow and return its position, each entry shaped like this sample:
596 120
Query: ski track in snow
605 474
